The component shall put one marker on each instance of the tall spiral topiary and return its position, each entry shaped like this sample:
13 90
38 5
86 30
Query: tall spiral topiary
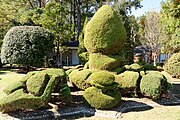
26 45
105 32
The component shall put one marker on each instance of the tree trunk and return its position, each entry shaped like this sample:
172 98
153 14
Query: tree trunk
79 17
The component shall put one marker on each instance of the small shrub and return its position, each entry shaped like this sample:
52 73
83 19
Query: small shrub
96 98
153 84
127 81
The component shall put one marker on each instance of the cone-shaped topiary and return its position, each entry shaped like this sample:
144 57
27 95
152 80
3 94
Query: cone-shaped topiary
96 98
105 32
104 62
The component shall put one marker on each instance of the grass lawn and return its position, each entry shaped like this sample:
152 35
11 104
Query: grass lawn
8 77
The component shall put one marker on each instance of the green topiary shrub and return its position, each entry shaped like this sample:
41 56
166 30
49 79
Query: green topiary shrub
104 78
153 84
135 67
127 81
79 78
21 100
172 65
37 83
96 98
105 32
104 62
26 45
13 87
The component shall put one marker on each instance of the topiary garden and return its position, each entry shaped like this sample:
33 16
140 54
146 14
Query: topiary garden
104 78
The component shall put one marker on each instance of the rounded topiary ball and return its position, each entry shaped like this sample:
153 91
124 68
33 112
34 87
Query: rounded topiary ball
105 32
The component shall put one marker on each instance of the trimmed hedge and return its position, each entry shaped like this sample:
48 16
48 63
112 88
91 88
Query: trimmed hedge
153 84
127 81
26 45
13 87
96 98
105 32
20 100
104 78
172 65
104 62
37 83
79 78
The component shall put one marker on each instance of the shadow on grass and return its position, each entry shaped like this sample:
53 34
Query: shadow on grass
134 106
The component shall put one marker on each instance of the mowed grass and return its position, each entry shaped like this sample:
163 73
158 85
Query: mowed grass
8 77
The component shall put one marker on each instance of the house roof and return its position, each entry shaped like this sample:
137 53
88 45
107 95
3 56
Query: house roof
71 43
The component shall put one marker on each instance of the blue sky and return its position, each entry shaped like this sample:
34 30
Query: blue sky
148 5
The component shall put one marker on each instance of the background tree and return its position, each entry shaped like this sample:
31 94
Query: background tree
123 8
170 21
55 18
150 36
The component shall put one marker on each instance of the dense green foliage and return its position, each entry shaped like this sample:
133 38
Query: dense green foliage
13 87
172 65
170 26
127 81
104 62
153 84
26 45
105 32
96 98
79 78
21 100
37 83
102 77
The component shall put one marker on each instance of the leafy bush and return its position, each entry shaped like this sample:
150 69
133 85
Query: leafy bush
153 84
102 77
26 45
148 66
96 98
105 32
172 65
104 62
127 81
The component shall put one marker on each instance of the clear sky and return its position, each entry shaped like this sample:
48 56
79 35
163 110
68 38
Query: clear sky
148 5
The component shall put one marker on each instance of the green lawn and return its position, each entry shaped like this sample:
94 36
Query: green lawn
8 77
